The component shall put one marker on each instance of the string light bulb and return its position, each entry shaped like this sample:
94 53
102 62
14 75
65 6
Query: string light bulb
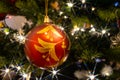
103 31
93 8
83 1
65 17
92 77
18 68
7 71
70 4
76 29
24 75
62 28
82 29
91 25
60 13
92 29
21 38
54 72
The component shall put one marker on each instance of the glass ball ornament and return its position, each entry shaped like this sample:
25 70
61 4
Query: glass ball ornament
47 46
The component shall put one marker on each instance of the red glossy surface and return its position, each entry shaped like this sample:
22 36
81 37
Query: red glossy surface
47 46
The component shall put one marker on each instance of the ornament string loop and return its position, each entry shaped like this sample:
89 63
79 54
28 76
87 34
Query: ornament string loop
46 18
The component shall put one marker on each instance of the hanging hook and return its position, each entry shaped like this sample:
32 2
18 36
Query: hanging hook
46 18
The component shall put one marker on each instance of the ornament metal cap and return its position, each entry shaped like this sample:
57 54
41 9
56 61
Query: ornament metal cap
46 19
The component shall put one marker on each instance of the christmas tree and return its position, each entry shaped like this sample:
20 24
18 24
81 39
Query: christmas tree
84 40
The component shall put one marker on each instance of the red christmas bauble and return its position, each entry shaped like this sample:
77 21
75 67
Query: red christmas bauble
47 46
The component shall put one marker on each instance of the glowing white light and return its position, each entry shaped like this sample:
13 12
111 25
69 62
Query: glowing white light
62 28
21 37
107 74
7 70
93 9
91 26
70 4
83 1
6 73
92 30
24 75
6 33
103 31
108 34
60 13
72 34
75 30
54 72
76 37
82 29
92 77
65 17
18 68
